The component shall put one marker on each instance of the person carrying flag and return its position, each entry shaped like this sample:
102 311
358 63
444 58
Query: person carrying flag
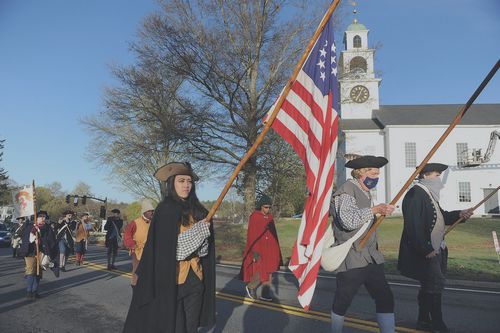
423 254
352 210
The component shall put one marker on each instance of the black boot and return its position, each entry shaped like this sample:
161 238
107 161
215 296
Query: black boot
424 318
438 325
265 294
29 295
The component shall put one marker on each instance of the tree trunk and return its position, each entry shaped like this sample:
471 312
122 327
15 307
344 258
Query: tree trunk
249 186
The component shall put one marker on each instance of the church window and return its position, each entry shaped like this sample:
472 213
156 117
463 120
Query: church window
410 154
464 192
356 41
461 154
358 64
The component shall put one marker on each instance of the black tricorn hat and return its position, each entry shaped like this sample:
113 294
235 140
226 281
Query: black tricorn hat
68 211
367 161
429 167
42 212
116 210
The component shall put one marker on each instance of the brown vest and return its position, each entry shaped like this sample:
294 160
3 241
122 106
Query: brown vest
184 266
140 236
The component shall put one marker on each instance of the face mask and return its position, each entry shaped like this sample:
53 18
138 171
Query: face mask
370 182
434 185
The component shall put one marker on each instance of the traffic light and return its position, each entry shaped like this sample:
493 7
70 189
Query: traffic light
68 198
75 201
102 212
84 200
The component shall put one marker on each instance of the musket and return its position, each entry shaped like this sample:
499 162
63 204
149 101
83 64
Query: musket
37 260
450 228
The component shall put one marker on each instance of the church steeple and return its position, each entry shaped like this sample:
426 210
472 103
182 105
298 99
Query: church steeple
358 84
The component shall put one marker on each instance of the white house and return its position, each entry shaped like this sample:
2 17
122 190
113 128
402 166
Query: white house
406 133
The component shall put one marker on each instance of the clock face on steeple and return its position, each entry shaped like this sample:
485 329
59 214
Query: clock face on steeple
359 94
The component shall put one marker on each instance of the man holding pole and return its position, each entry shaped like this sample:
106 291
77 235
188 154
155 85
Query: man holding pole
353 213
423 253
38 240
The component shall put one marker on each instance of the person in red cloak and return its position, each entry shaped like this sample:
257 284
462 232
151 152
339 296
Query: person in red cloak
262 254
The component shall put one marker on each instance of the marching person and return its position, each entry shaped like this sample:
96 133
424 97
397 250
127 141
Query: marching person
113 229
135 235
83 228
17 234
175 290
262 255
423 253
352 209
36 235
64 238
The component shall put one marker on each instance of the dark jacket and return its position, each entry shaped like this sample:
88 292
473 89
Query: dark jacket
61 231
48 244
109 227
154 300
420 216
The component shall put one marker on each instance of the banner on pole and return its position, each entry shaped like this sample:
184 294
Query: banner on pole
23 201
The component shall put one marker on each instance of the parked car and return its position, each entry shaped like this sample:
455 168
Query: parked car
5 236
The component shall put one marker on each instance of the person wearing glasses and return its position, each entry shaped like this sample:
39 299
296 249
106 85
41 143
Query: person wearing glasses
262 254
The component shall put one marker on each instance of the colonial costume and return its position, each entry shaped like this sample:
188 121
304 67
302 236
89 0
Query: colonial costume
175 290
352 211
423 253
113 229
262 255
42 236
136 234
64 239
17 234
82 231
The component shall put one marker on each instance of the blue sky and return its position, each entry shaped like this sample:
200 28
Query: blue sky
54 58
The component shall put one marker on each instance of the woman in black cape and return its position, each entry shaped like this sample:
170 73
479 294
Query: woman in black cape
175 292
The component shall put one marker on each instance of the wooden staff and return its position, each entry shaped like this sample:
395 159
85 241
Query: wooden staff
450 228
37 260
276 109
454 123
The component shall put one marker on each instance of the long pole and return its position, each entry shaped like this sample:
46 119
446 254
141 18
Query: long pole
454 123
451 227
37 259
276 109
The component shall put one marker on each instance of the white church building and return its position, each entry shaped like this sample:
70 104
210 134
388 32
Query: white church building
404 134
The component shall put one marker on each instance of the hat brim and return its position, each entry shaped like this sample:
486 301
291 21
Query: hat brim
438 167
174 169
367 161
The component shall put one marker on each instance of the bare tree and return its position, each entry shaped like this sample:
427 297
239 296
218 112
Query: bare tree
235 57
4 188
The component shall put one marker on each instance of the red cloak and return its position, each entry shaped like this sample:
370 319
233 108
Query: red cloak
263 240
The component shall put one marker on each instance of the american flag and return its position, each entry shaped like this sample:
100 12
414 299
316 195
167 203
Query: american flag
308 120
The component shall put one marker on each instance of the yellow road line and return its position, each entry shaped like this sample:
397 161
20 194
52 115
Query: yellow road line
365 325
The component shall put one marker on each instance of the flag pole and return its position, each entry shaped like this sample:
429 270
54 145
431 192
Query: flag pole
451 227
454 123
276 109
37 260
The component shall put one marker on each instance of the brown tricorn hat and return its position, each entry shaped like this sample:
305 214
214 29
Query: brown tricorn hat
174 169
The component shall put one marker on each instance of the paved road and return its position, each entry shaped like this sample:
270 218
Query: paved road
90 298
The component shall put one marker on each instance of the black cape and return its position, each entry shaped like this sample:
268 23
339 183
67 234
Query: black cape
154 300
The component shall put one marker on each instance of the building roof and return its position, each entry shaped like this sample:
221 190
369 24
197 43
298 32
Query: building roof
360 124
438 114
425 115
355 26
